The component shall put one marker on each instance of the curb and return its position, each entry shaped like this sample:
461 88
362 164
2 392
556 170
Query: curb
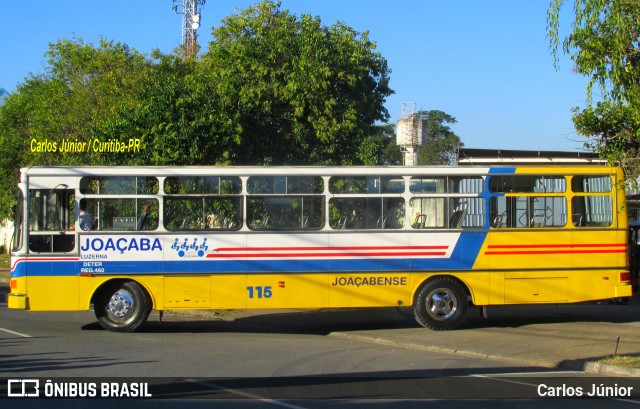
575 365
611 370
442 350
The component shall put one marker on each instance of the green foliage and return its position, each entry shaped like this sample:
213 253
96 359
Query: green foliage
301 92
174 111
605 46
441 144
380 148
612 131
81 87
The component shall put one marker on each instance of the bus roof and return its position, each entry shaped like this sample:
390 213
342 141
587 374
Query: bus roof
68 171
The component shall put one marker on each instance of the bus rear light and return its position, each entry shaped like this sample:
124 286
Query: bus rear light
13 284
625 276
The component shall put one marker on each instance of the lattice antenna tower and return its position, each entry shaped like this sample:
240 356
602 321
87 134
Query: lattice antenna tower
191 16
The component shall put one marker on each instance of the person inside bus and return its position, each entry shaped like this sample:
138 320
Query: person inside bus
84 219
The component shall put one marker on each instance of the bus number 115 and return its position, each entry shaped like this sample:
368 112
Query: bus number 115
260 291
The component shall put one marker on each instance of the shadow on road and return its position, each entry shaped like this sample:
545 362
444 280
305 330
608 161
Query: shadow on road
326 321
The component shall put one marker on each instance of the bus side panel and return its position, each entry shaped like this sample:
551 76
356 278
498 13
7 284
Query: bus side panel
533 249
480 281
187 292
369 290
558 266
228 291
53 293
544 287
605 248
480 285
531 266
286 290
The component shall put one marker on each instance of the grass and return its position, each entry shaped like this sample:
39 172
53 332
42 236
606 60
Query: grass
632 361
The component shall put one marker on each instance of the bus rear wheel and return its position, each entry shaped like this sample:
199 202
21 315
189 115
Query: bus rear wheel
123 307
441 304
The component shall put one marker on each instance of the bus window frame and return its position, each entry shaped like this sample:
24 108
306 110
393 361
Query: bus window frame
48 238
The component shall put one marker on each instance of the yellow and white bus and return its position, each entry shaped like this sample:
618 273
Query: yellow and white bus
437 239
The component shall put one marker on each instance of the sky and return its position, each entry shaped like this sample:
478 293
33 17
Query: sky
486 63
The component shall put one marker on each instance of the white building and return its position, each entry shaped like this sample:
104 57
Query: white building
6 231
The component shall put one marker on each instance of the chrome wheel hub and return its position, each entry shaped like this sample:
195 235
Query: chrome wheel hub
120 306
441 304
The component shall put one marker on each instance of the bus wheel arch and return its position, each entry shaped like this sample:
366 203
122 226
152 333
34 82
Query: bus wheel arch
122 305
441 303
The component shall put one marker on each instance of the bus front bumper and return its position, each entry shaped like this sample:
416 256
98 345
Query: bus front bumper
17 301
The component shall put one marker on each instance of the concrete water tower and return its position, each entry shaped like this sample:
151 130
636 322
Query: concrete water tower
409 133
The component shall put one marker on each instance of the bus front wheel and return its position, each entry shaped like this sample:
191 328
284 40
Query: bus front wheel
441 304
123 307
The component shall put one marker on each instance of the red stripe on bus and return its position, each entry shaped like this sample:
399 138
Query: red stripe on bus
522 249
555 252
331 248
533 246
336 254
44 259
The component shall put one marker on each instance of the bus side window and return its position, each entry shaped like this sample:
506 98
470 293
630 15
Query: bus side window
127 214
285 212
51 214
428 212
457 217
578 219
595 211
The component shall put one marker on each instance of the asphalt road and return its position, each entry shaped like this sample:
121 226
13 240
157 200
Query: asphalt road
290 359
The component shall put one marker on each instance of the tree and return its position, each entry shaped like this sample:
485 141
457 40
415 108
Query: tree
108 93
175 112
299 92
605 46
380 148
440 144
81 87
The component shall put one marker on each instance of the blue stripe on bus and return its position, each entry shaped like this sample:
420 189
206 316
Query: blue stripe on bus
495 171
463 257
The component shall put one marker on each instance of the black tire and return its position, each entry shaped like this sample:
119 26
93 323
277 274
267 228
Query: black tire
123 307
441 304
